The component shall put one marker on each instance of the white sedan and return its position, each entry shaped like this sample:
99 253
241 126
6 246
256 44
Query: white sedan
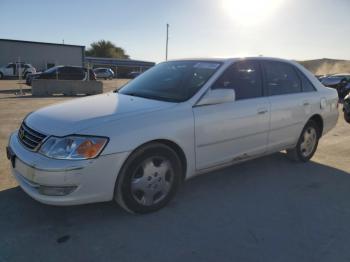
177 120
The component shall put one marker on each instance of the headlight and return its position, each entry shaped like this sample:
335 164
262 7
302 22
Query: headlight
73 147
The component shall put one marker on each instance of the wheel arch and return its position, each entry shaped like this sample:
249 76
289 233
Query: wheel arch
171 144
174 146
319 121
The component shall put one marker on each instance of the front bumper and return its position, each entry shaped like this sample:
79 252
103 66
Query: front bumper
90 180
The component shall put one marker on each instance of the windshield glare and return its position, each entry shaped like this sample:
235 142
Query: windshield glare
175 81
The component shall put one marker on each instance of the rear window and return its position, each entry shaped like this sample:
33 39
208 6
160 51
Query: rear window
306 84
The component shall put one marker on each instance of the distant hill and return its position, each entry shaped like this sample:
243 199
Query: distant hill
327 66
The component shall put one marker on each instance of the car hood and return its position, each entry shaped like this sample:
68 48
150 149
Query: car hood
75 115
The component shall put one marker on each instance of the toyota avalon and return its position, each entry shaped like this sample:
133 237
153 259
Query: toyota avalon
177 120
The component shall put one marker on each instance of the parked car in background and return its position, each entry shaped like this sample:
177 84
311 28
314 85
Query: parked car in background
105 73
340 82
346 108
177 120
134 74
63 73
321 77
16 69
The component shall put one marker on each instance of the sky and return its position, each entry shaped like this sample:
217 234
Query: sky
292 29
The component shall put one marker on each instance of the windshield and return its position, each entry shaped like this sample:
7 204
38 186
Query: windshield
174 81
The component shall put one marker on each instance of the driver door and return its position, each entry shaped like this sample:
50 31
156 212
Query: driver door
233 131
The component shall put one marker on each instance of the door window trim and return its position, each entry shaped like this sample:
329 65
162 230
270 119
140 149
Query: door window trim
267 90
258 66
300 75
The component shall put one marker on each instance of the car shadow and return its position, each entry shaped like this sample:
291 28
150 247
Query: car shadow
267 209
14 91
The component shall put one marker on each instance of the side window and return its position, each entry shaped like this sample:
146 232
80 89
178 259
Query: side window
74 73
244 77
281 78
63 70
62 73
307 86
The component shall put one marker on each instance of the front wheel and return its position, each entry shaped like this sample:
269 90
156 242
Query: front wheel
307 143
149 179
1 75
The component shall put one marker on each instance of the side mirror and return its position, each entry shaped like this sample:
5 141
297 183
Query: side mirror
217 96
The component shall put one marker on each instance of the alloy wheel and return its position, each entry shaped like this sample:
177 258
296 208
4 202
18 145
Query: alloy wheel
152 181
309 141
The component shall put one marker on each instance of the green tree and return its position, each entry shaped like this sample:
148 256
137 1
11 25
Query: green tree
105 48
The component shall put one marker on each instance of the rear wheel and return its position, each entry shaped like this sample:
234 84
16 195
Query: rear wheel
307 143
1 75
149 179
347 117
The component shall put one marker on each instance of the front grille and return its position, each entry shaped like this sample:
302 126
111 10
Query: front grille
30 138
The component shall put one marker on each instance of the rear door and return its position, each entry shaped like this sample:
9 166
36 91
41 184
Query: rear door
292 97
68 73
236 130
78 73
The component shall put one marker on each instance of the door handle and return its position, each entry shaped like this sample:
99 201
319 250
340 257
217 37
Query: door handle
262 111
306 103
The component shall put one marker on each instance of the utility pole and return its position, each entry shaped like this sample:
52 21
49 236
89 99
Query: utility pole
20 70
167 42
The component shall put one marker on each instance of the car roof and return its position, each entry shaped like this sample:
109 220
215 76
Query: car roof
232 59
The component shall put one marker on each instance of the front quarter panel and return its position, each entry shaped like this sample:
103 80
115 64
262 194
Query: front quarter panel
174 124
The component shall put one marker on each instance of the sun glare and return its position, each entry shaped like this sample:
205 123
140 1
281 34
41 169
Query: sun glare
250 12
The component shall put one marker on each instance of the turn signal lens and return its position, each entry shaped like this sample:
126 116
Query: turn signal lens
90 149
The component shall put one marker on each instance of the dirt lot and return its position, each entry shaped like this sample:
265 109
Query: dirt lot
268 209
12 110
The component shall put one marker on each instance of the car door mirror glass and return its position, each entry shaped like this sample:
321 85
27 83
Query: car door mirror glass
217 96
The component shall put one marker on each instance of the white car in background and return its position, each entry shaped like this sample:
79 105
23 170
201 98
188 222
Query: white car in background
105 73
16 69
177 120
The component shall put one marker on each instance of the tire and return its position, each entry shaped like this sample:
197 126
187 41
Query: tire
305 149
149 179
1 76
347 117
